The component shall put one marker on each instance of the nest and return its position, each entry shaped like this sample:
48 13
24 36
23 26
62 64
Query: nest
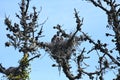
61 48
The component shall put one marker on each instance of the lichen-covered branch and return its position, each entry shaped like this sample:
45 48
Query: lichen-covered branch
64 51
25 37
113 14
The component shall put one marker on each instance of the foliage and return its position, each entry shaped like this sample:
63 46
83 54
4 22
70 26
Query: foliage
26 38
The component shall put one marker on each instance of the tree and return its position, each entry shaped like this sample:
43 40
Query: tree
26 37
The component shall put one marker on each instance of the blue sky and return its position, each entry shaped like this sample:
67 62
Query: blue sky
58 12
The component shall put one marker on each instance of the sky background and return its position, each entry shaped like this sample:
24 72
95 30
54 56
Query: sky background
58 12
